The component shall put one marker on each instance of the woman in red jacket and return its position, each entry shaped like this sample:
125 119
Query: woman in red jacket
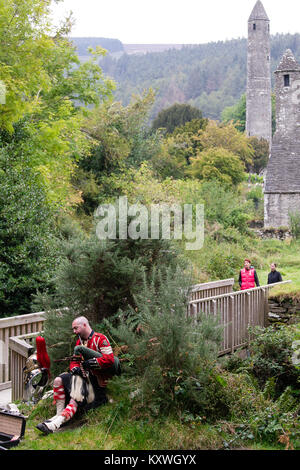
248 277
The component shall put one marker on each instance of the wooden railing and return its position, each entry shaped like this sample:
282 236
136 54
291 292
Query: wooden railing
237 311
15 326
210 289
21 347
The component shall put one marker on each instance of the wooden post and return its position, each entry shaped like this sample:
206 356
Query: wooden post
14 326
266 307
233 322
247 312
20 350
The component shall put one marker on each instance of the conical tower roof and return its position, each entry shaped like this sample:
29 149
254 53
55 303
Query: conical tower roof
258 12
288 63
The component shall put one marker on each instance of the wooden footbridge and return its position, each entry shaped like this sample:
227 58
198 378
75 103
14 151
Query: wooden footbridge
236 310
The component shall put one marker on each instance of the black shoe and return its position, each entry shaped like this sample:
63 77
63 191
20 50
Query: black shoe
43 428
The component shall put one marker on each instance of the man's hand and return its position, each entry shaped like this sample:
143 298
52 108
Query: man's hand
91 364
77 371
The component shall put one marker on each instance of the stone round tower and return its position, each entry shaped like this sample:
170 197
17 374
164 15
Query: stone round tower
258 103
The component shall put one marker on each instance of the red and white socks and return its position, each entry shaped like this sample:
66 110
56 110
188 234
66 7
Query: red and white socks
70 410
59 398
63 414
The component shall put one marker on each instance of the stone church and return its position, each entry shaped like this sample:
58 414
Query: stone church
282 180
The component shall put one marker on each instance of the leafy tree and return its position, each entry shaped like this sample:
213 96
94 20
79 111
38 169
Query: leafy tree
236 114
39 65
223 206
228 137
120 140
45 88
28 239
217 164
188 134
175 116
119 134
172 160
261 154
191 128
177 149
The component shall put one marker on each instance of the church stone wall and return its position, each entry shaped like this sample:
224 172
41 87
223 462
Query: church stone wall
282 182
278 206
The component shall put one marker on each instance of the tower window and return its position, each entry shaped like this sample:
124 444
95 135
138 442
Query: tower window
286 79
254 26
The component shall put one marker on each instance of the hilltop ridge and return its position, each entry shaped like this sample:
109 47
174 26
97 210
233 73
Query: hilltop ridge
209 76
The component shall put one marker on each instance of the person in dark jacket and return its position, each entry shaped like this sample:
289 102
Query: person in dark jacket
274 275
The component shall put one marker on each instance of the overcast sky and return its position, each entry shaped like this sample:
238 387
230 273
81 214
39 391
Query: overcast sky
174 21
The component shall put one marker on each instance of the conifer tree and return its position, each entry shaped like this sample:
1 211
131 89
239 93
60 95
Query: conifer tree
170 357
96 279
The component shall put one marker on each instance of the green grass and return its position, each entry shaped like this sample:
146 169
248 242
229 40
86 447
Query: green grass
113 428
226 260
286 255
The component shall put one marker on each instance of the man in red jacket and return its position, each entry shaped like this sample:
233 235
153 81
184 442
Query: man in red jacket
85 384
248 277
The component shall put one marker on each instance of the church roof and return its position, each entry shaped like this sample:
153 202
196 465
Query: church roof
283 169
258 12
288 62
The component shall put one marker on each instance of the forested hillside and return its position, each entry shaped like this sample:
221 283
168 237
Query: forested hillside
207 76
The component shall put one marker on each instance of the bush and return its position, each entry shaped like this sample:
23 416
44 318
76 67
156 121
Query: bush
96 279
28 239
256 196
241 396
278 422
264 409
224 206
217 164
294 218
271 358
224 261
172 358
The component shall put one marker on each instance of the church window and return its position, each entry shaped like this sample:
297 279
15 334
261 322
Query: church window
286 79
254 26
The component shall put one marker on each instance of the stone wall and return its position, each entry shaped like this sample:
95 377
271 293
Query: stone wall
285 311
282 181
278 206
282 233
